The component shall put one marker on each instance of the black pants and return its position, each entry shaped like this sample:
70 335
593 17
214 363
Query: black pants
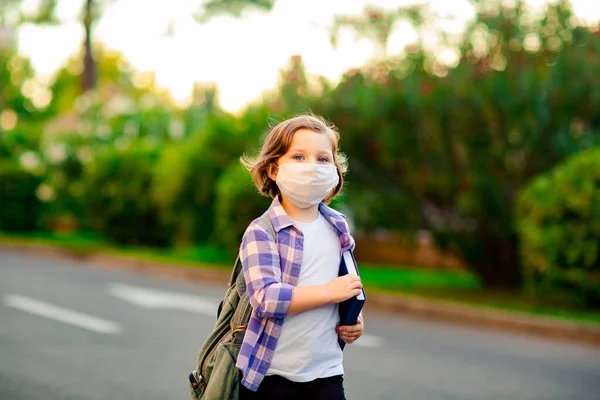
275 387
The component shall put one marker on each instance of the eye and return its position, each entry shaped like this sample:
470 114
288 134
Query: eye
298 157
323 159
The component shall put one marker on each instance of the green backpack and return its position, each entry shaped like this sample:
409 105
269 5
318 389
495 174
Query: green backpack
216 376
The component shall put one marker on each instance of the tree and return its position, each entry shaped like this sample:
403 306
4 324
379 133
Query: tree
375 24
448 151
91 12
11 10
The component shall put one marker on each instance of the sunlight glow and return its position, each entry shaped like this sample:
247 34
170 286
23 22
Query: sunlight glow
242 56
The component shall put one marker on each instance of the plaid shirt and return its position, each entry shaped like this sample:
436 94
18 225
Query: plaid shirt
271 268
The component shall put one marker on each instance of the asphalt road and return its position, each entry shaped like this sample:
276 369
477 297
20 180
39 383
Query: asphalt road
74 332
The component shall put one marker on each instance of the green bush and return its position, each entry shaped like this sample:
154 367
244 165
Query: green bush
559 227
238 204
183 188
20 207
448 151
24 137
186 176
117 197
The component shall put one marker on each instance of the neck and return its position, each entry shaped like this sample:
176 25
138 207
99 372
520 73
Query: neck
299 214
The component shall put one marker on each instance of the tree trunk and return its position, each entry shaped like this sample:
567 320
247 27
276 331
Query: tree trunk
500 268
88 79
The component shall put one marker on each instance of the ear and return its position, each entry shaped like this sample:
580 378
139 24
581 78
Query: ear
272 171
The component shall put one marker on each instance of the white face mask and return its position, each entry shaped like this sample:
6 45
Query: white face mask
306 185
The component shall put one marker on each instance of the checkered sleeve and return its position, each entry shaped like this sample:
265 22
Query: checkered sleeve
268 295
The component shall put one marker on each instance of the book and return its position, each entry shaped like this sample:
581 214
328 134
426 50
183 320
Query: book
351 308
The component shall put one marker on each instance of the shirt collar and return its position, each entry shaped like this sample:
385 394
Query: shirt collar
281 220
279 217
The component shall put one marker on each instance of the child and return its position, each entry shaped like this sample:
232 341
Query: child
290 349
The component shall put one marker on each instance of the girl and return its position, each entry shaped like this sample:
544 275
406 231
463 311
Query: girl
290 349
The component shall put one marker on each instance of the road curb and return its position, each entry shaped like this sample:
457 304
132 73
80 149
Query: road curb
417 307
487 318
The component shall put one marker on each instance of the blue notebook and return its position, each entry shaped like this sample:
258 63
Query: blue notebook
350 309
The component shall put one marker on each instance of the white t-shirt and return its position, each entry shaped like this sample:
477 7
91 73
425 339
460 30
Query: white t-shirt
308 347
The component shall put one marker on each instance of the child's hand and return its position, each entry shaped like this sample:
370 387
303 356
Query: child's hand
343 288
349 334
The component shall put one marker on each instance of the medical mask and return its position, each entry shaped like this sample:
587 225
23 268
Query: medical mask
306 185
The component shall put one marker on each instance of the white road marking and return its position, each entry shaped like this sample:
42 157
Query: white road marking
50 311
367 340
160 299
155 299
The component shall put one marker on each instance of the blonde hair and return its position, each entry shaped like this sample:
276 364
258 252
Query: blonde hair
277 144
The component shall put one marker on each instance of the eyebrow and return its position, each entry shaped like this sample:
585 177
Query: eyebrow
328 152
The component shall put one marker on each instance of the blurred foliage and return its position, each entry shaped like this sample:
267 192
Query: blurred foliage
20 207
17 82
451 147
559 230
437 143
185 179
237 205
43 14
117 197
235 8
375 24
12 15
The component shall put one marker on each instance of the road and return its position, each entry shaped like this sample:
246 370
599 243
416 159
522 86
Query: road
75 332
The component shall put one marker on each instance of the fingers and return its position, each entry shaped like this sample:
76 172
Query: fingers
349 329
346 337
348 340
350 334
346 287
354 280
349 337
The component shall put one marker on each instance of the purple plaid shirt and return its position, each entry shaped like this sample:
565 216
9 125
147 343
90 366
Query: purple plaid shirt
271 268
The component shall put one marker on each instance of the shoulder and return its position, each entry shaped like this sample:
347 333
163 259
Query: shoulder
256 241
336 218
337 213
258 231
331 213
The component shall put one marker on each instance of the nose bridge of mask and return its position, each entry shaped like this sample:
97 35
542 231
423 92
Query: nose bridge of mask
304 172
309 173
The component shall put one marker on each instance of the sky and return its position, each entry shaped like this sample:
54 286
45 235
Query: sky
242 56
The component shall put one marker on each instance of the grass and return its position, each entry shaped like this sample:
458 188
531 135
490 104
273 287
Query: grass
406 278
507 300
462 288
199 257
451 286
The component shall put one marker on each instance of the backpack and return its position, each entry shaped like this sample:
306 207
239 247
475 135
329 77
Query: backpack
216 376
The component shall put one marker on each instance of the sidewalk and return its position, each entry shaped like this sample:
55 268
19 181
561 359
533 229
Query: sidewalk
447 312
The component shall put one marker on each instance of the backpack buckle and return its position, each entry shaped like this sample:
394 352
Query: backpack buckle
240 328
237 330
196 382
